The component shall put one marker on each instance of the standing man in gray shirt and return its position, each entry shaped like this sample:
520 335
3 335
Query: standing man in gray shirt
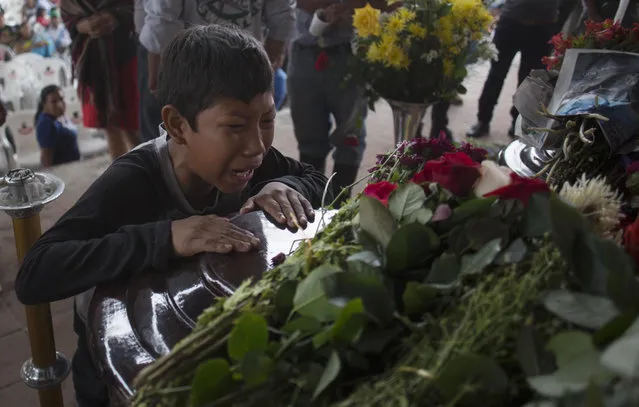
524 26
271 21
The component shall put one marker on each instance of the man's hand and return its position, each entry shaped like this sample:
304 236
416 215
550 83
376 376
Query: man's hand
199 234
275 51
284 204
97 25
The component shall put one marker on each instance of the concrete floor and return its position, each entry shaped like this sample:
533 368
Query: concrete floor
14 344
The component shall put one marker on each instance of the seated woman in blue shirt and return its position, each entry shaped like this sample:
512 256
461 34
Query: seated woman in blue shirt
58 141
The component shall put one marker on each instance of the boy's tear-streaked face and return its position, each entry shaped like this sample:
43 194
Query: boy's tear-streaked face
231 141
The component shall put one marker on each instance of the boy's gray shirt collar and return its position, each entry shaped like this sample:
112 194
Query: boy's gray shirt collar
164 19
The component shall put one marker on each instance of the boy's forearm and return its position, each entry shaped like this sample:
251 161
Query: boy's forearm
58 267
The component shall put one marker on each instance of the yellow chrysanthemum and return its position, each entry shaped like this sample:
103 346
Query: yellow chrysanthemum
396 58
374 53
366 21
394 24
406 15
417 30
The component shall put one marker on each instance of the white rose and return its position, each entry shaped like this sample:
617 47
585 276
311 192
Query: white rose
492 177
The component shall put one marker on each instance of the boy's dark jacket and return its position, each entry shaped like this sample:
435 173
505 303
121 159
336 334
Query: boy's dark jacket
122 223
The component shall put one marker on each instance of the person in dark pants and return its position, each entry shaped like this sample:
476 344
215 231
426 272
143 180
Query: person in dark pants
524 26
439 120
150 117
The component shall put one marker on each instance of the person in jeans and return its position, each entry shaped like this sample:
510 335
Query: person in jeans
317 92
149 112
524 26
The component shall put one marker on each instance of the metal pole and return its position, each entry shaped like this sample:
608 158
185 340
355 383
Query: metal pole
23 194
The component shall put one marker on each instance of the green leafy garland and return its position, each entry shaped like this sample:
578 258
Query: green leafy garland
396 305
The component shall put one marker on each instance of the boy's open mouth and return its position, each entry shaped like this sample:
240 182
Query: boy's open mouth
246 173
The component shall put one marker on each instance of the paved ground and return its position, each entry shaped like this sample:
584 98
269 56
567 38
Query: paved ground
14 345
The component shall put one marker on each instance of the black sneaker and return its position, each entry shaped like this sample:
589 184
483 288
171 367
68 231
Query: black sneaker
478 130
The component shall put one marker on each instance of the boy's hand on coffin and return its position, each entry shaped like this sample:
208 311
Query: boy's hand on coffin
210 233
282 203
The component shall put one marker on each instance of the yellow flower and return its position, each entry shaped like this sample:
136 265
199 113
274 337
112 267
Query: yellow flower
406 15
366 21
417 30
396 58
449 68
374 53
394 24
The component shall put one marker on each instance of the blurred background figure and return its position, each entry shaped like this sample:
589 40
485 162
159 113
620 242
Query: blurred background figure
103 51
31 41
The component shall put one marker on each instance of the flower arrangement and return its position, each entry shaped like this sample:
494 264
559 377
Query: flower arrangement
418 52
450 281
604 35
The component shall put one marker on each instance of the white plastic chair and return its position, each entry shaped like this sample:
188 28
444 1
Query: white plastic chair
21 85
8 158
32 59
23 128
54 71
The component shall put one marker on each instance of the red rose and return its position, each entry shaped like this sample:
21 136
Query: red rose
631 240
351 141
321 63
380 190
456 172
520 188
605 35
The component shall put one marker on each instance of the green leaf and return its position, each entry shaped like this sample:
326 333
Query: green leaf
376 220
344 287
409 247
567 223
250 333
374 340
537 220
310 299
321 338
579 365
212 380
613 330
417 298
570 345
367 257
482 230
445 270
305 325
283 300
513 254
581 309
475 370
622 356
533 358
350 323
255 368
421 216
470 209
595 259
407 199
622 286
476 263
330 374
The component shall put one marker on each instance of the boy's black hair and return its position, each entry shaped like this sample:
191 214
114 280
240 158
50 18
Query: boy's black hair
204 64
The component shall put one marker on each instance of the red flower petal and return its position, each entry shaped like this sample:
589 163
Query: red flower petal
380 190
321 63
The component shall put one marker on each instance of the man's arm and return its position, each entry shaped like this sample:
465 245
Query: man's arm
163 21
280 22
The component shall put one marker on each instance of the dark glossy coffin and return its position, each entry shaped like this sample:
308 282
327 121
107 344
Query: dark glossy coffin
132 324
